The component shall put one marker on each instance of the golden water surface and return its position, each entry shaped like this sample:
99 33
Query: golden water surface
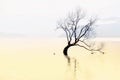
42 59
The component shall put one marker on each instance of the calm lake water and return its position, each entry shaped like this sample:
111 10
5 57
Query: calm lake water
42 59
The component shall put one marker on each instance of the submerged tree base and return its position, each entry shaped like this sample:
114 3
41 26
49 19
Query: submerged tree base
72 66
68 59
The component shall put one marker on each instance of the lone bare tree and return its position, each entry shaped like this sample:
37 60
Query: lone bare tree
78 30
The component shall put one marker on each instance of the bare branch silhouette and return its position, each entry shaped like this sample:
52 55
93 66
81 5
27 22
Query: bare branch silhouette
77 32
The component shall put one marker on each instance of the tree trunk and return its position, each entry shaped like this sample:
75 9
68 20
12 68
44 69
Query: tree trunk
65 52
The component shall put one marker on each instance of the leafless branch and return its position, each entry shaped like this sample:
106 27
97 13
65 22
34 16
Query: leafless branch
92 50
75 32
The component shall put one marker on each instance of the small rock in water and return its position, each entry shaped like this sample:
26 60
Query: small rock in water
53 53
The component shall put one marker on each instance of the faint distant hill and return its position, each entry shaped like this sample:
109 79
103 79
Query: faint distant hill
109 27
4 34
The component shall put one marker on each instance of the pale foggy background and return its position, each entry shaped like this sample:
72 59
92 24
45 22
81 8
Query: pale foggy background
39 17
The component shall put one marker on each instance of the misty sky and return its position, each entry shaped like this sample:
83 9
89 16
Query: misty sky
39 17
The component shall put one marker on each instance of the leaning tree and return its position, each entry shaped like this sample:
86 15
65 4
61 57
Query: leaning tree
78 30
